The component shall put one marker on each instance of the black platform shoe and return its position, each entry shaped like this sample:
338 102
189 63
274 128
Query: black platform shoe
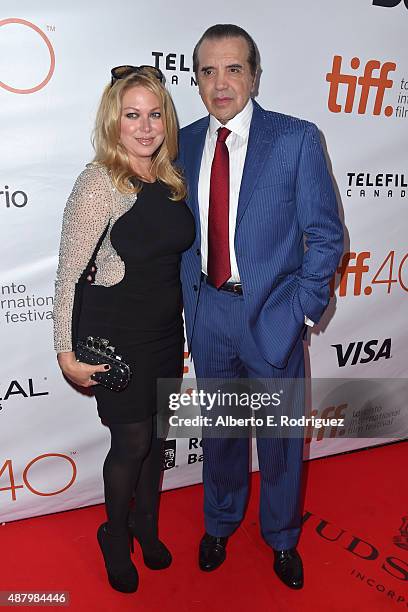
156 555
122 574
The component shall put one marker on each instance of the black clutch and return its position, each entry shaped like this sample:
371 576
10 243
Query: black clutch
96 351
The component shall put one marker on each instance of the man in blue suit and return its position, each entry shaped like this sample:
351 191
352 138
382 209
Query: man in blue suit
268 242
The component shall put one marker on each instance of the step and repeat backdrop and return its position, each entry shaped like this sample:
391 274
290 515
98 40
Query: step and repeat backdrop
342 65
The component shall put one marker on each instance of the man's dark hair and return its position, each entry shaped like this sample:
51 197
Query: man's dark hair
228 30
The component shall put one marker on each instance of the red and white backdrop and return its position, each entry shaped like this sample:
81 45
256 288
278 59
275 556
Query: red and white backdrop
343 65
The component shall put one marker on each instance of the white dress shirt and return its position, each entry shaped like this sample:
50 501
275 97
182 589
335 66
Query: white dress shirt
237 144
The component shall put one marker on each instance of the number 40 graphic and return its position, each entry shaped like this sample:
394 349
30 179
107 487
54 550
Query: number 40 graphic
7 471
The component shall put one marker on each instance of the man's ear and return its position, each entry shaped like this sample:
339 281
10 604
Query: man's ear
255 80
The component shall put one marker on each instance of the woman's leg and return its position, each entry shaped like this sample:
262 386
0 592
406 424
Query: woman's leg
144 518
130 445
145 514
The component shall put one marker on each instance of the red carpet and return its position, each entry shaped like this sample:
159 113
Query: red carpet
354 508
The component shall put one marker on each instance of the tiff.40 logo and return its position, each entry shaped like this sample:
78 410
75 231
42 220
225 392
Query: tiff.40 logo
390 273
367 82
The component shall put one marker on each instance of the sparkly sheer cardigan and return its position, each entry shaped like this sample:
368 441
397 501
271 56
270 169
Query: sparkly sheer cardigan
94 205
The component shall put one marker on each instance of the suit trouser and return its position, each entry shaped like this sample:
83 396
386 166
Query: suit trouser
223 348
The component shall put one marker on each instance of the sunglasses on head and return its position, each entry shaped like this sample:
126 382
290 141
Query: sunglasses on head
121 72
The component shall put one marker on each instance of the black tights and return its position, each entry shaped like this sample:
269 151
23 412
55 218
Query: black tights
133 464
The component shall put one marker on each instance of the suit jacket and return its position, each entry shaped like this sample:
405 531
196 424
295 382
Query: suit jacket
288 237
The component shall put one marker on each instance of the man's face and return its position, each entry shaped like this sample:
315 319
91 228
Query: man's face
225 81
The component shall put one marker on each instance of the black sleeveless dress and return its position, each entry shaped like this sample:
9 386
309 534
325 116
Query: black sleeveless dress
142 315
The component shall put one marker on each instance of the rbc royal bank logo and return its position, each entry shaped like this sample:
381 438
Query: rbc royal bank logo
375 76
169 458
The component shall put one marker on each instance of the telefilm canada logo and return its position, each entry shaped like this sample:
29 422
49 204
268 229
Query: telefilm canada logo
175 67
169 454
377 185
353 85
41 74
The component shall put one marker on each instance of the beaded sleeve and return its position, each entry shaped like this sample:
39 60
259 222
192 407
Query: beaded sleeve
87 213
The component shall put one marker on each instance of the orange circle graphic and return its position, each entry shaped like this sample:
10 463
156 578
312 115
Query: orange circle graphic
50 49
31 488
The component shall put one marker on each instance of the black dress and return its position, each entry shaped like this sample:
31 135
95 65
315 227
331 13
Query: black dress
142 315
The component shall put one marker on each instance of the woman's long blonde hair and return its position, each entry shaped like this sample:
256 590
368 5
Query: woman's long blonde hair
111 153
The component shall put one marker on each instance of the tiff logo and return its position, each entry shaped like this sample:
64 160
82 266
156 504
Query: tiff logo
357 270
389 3
367 82
335 412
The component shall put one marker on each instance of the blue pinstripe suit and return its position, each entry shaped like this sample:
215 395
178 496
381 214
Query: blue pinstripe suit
286 196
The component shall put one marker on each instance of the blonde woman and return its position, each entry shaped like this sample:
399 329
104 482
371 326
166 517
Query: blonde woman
133 196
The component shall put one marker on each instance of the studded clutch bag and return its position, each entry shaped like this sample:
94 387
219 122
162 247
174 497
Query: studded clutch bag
96 351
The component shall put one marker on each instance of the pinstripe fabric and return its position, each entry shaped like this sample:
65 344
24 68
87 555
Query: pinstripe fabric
286 195
225 349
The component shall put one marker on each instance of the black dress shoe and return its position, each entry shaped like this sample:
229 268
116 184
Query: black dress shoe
212 552
289 568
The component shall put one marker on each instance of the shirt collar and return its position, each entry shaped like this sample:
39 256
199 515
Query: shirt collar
238 125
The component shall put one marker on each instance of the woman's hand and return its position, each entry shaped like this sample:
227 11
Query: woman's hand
77 372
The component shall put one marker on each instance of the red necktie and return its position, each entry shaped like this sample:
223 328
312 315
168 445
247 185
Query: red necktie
218 262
